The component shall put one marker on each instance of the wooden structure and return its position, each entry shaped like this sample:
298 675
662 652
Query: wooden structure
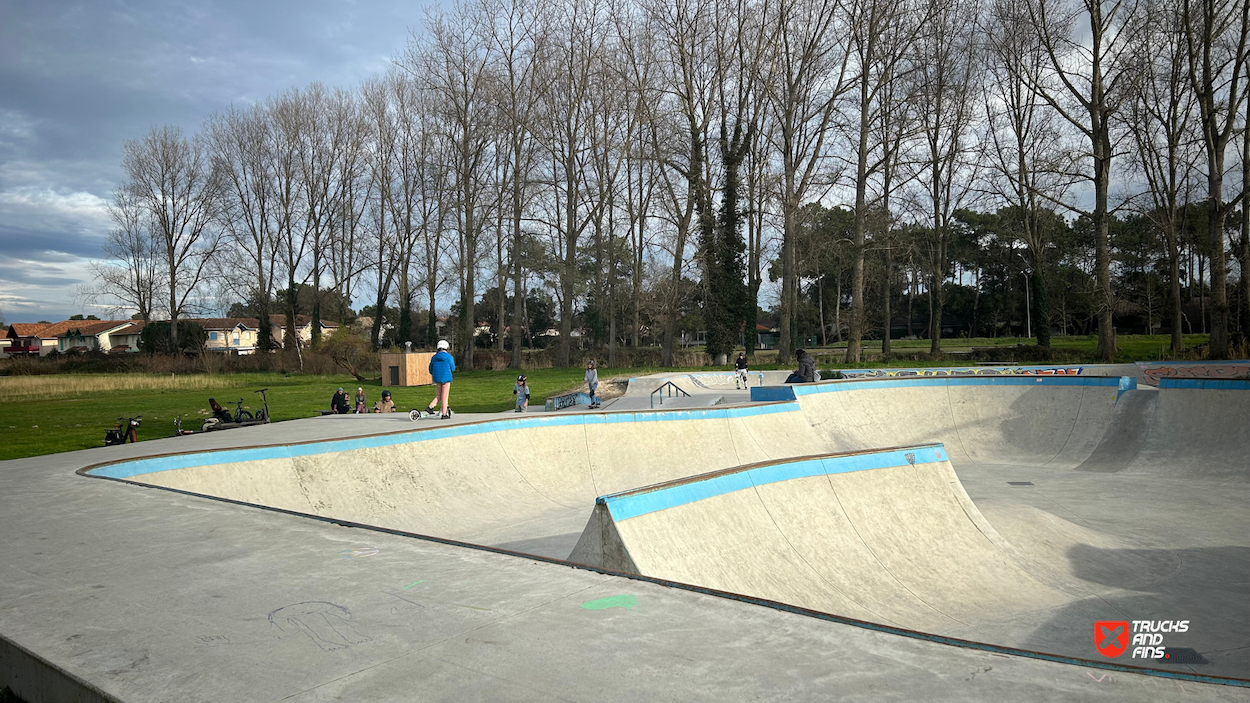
406 369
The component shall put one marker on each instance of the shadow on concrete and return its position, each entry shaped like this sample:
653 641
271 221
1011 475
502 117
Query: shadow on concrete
1210 587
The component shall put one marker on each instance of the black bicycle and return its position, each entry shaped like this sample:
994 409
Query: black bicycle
241 415
123 432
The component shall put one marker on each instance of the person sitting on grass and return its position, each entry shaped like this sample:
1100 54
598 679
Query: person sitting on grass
339 403
386 405
521 392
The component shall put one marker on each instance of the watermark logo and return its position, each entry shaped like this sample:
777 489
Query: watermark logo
1111 637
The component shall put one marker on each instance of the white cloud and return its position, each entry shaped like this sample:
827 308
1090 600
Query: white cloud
76 204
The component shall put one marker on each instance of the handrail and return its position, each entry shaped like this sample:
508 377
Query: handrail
671 387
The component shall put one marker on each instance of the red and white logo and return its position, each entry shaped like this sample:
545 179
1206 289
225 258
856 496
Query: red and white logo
1111 637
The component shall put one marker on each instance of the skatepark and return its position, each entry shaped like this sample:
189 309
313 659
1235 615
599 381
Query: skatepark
933 536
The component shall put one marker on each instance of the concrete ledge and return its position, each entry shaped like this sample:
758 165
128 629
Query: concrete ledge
1209 384
36 680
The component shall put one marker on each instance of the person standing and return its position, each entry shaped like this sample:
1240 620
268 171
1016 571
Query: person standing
360 401
441 367
740 371
592 380
522 393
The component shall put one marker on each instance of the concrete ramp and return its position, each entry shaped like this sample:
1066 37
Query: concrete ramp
887 536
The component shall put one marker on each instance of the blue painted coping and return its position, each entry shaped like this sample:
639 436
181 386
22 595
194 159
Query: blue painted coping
792 391
631 504
772 393
137 467
1211 384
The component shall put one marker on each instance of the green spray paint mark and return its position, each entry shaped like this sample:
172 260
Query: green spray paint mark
625 601
411 585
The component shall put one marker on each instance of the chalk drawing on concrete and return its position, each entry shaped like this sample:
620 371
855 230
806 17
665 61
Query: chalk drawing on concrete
626 601
328 625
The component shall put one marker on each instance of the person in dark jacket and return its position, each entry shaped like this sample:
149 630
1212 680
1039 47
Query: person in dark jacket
740 371
339 403
806 373
441 367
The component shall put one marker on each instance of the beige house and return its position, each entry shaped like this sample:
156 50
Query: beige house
230 334
303 328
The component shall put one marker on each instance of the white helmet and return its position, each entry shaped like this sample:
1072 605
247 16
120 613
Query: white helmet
442 344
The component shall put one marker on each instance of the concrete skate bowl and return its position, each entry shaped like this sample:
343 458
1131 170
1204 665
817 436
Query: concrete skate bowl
530 485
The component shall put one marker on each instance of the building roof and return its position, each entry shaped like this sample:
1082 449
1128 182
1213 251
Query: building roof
226 323
279 320
84 328
26 329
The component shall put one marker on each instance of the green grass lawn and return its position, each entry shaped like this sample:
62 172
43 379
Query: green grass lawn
46 414
74 416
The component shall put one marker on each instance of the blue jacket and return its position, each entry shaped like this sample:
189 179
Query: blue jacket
441 366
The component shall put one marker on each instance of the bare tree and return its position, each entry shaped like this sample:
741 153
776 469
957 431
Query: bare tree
453 62
807 77
949 66
518 32
172 179
1026 158
242 141
1085 83
129 279
1161 119
1216 33
882 35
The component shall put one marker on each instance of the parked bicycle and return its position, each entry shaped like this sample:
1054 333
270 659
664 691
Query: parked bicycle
125 431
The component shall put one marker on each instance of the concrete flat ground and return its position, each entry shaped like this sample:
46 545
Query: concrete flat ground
153 595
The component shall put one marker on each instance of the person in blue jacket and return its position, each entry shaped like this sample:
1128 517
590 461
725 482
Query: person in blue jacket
441 367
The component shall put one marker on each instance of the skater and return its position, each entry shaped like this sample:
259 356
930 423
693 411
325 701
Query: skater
339 403
522 393
360 401
386 405
740 369
441 367
806 372
592 380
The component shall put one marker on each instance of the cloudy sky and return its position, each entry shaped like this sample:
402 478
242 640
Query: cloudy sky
77 79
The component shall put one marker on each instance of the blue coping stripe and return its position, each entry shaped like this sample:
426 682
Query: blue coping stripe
792 391
1211 384
833 387
137 467
632 504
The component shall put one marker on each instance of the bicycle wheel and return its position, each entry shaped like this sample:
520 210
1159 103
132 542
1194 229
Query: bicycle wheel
244 416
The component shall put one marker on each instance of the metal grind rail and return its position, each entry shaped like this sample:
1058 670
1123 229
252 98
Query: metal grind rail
670 387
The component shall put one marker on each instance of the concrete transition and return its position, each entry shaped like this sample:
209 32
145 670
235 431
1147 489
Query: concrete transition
1000 514
899 544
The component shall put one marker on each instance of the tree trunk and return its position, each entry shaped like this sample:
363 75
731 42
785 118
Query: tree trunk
519 323
885 300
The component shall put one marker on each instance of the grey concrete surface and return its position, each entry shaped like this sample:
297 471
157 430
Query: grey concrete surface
156 596
152 595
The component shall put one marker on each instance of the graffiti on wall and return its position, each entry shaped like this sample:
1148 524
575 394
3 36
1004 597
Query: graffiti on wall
971 371
1152 373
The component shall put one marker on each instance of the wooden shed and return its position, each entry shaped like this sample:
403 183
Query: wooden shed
406 369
